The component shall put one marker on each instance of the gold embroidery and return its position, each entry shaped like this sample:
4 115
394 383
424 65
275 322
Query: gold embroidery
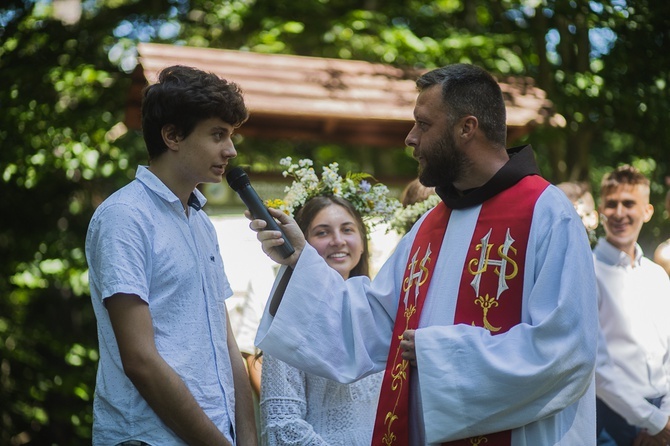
420 277
409 312
475 261
399 374
478 266
474 441
473 265
389 437
502 252
486 303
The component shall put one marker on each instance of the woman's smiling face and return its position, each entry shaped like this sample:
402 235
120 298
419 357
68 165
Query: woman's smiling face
335 235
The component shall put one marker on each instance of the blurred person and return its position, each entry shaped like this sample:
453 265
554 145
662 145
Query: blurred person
582 199
170 372
415 192
662 253
633 368
476 317
416 200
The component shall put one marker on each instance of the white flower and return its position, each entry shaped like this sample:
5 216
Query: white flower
371 201
407 216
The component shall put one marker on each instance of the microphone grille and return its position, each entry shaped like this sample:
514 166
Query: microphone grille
237 179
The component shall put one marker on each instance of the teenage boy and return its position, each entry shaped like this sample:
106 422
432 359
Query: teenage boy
633 368
170 372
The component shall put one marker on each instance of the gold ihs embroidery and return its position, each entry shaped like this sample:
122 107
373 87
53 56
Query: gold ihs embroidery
478 266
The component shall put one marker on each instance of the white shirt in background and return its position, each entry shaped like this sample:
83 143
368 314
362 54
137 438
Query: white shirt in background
633 355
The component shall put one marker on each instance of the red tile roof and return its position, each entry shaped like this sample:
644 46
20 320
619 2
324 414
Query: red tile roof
311 98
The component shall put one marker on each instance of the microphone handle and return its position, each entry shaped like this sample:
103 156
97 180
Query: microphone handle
259 211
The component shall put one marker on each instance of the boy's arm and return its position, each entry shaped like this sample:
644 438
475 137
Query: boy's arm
245 421
155 380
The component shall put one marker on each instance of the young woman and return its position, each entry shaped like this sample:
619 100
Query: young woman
298 408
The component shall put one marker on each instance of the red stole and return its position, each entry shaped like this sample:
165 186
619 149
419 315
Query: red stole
490 295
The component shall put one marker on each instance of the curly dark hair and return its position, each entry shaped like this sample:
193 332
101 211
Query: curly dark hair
183 97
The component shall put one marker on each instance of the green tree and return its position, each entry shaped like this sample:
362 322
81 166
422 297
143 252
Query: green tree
60 104
64 86
600 62
636 103
571 48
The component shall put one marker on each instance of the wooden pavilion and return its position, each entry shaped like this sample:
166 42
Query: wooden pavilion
321 99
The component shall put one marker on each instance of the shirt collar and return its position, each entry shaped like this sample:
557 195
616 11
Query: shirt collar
197 200
610 254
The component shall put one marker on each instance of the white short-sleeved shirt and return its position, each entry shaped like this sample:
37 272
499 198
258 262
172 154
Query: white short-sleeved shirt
141 242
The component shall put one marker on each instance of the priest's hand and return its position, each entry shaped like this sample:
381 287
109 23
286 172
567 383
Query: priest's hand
660 439
644 439
663 438
408 348
270 239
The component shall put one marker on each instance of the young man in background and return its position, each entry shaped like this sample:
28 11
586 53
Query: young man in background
633 368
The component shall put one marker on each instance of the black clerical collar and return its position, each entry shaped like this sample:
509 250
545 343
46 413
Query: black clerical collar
521 164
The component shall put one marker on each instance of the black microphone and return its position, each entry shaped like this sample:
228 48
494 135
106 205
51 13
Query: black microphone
239 182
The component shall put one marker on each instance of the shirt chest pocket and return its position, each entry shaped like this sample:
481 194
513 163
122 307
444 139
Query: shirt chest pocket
214 280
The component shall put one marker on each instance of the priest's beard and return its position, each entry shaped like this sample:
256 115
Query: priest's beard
444 164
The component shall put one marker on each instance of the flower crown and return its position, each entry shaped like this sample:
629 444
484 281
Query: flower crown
371 201
406 216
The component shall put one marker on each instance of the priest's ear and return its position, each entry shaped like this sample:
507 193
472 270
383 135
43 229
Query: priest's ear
466 128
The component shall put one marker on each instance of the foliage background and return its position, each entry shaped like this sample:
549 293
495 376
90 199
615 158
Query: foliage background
603 63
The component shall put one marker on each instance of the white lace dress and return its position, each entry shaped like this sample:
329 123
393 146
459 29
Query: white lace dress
298 408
